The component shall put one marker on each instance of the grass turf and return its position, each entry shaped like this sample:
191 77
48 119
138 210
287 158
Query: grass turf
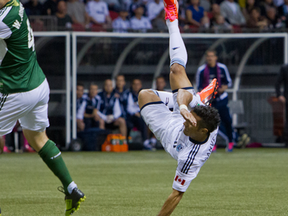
245 182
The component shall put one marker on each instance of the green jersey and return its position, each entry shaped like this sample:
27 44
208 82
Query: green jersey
19 69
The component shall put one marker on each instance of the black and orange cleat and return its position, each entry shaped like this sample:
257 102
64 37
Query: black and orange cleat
208 94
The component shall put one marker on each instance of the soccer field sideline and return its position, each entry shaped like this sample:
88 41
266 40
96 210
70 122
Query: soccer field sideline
245 182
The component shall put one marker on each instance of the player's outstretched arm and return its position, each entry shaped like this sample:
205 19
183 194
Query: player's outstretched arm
183 99
171 203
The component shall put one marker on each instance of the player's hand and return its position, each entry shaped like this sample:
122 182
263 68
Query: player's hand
137 115
282 99
110 119
188 117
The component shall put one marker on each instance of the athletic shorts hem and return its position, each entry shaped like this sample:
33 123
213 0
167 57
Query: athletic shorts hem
151 103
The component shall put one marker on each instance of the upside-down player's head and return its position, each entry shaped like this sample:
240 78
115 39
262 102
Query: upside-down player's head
208 120
210 117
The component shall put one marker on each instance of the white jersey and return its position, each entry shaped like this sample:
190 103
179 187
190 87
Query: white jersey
168 128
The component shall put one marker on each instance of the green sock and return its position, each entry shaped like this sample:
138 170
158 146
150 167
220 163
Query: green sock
51 155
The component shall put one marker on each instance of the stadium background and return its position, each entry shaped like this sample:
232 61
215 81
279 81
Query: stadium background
253 60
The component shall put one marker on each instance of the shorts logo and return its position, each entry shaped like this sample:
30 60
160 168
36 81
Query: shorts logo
179 147
181 181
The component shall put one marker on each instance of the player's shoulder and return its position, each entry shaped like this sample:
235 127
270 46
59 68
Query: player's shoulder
221 65
101 94
201 68
97 97
12 14
85 96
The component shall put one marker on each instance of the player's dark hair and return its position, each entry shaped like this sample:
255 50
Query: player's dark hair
93 84
118 75
160 76
210 117
211 50
80 84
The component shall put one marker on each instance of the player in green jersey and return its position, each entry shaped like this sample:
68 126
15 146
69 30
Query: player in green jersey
24 95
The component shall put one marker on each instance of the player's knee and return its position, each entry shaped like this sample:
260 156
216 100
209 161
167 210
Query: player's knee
144 93
177 69
121 121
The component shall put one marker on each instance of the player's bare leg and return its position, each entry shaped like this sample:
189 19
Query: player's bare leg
122 126
51 155
147 96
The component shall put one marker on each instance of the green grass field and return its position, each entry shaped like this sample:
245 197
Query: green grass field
245 182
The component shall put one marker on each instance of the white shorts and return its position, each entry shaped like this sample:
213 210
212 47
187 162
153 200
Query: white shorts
30 108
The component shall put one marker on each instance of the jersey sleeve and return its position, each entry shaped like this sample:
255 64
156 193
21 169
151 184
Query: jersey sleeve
196 101
199 77
5 31
81 110
117 109
226 79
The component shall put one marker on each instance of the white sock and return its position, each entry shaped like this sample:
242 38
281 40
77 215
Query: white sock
177 49
153 140
146 142
71 187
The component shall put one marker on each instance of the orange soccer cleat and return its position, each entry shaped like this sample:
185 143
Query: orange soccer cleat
208 94
171 9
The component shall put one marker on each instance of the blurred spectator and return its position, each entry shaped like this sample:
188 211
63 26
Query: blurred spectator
134 118
265 5
272 18
92 102
250 5
221 26
76 10
121 24
154 8
231 11
206 4
140 22
98 13
64 21
256 21
110 109
122 93
79 102
113 5
159 23
215 11
194 13
126 4
205 25
282 78
50 7
283 12
160 83
33 7
134 5
205 74
278 3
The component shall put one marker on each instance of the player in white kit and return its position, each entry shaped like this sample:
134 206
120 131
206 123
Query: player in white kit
188 136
